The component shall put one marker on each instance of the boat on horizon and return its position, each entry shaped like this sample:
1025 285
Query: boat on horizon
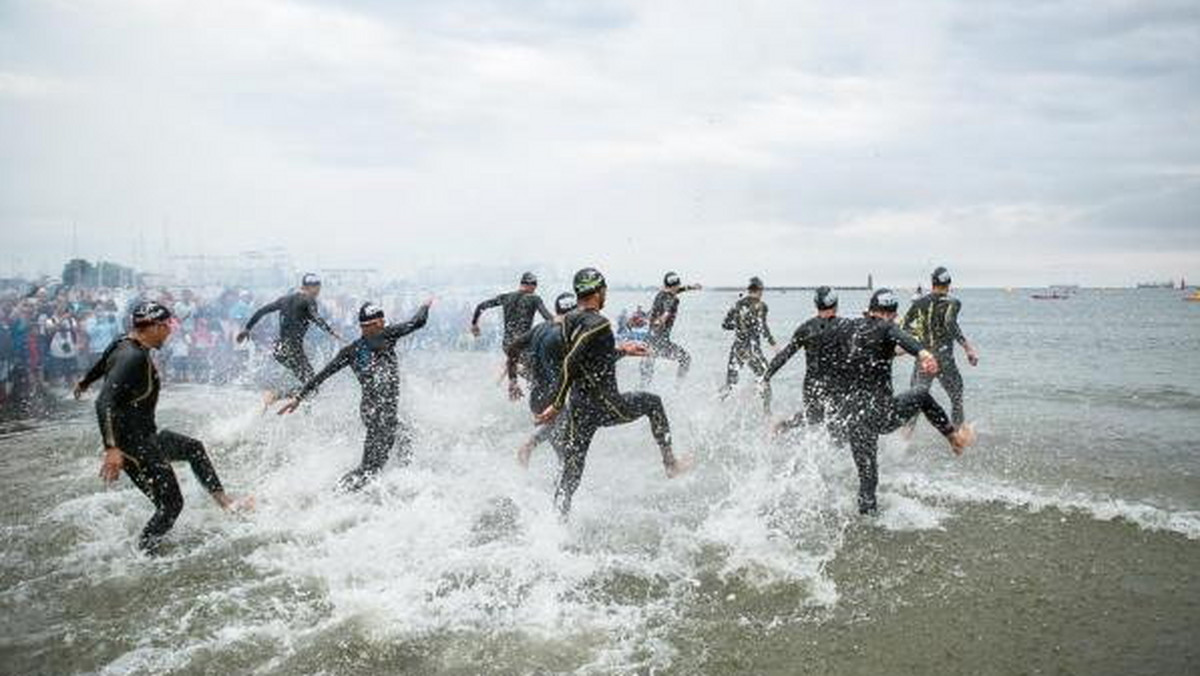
1056 292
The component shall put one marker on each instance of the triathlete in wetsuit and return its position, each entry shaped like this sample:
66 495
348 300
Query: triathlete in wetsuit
824 354
296 311
132 440
933 319
866 407
748 321
519 307
588 390
373 359
663 312
546 345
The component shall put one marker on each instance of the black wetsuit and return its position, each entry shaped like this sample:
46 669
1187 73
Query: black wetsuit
125 411
519 308
546 346
824 354
296 311
933 319
588 391
748 320
662 319
374 362
865 407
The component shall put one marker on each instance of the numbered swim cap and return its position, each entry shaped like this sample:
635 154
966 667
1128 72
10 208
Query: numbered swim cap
565 303
150 312
310 279
940 277
884 300
369 312
529 279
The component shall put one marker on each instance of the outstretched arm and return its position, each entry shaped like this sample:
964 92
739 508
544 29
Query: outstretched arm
956 331
340 361
98 369
404 328
315 315
485 305
766 328
263 311
794 345
541 308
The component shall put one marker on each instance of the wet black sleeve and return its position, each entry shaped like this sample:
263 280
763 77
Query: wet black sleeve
265 310
418 320
340 361
130 378
910 317
577 354
794 345
766 328
658 308
541 308
513 351
485 305
904 340
952 326
101 366
314 314
730 321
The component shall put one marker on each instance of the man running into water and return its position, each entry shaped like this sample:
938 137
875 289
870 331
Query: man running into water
546 346
373 359
662 319
132 441
823 355
296 311
933 319
588 389
866 407
748 321
519 307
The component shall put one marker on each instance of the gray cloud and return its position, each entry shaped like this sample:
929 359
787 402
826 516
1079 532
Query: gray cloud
806 142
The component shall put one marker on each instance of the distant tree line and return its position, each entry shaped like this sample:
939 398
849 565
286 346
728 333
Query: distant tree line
82 273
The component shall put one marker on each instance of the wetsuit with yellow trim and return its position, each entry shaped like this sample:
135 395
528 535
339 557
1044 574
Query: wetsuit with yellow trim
125 410
296 311
375 364
933 320
748 321
588 391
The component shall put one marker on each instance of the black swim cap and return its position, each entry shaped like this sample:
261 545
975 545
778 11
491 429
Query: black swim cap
565 303
310 279
529 278
884 300
369 312
756 284
671 279
588 281
825 298
150 312
940 277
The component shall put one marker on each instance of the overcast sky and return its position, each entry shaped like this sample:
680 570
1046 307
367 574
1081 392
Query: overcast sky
1016 142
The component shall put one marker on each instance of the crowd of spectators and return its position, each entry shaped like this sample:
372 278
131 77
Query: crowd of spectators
50 334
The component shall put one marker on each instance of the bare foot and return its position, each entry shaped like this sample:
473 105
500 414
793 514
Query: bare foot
237 505
679 466
268 399
524 452
961 438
